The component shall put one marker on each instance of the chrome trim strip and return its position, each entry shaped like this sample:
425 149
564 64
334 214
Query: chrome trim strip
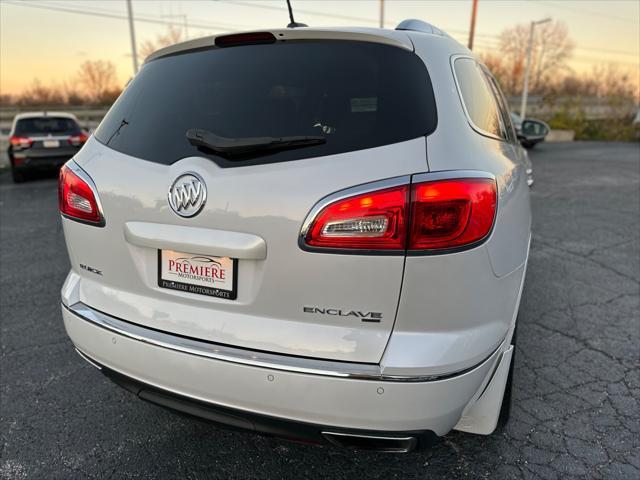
214 351
39 138
349 192
75 168
451 174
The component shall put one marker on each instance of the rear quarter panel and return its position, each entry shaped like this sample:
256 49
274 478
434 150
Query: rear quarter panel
455 309
456 146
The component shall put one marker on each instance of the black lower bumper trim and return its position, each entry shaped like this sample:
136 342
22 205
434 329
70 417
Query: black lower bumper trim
393 441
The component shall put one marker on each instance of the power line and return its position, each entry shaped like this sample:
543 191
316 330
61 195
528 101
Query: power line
590 48
106 13
297 10
496 43
605 50
235 26
362 19
577 58
583 11
112 14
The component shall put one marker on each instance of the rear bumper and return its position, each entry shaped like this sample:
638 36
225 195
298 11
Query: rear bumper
25 162
396 442
324 401
41 157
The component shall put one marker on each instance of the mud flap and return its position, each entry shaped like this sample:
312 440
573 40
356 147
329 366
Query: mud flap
481 417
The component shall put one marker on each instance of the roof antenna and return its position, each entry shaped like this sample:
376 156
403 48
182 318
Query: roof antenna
293 23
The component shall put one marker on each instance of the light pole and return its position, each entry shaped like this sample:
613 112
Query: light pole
525 89
381 13
134 50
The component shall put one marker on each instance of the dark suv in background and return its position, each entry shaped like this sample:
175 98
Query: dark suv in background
40 140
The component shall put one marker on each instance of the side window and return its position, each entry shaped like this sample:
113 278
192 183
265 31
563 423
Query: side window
503 106
478 98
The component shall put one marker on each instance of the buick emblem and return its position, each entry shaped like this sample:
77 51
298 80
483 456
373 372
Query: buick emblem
187 194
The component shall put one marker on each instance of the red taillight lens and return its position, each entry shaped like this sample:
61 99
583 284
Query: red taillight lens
76 140
444 214
76 198
20 142
375 220
451 213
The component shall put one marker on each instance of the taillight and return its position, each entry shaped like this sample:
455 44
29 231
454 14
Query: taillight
77 140
431 215
77 198
20 142
451 213
375 220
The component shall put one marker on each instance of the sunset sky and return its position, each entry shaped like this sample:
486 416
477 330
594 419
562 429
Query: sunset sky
47 40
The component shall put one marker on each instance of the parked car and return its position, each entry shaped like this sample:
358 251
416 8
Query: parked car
40 140
530 132
315 234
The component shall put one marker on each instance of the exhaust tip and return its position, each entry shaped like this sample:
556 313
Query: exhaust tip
372 442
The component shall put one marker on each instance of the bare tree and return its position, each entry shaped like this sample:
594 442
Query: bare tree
611 82
72 94
38 94
6 99
603 81
172 35
98 78
497 67
551 50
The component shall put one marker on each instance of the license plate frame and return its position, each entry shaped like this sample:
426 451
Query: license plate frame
169 278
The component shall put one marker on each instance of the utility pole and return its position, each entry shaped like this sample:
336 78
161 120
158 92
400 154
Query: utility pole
134 50
381 13
525 88
472 28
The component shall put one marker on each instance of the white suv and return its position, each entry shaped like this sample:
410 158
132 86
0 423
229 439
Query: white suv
319 234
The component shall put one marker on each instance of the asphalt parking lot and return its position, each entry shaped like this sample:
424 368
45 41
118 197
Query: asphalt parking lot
577 381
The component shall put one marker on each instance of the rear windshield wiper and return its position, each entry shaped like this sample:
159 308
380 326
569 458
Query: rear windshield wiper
230 147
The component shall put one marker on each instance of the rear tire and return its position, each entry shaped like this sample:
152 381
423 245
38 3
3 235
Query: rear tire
505 409
17 175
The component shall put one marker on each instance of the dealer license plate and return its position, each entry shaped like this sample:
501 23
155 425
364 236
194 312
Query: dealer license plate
199 274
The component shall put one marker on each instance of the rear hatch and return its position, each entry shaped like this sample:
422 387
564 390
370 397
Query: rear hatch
374 105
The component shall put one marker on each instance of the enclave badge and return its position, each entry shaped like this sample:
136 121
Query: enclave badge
187 194
364 316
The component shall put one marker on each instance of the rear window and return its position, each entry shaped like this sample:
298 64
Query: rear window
47 125
358 95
